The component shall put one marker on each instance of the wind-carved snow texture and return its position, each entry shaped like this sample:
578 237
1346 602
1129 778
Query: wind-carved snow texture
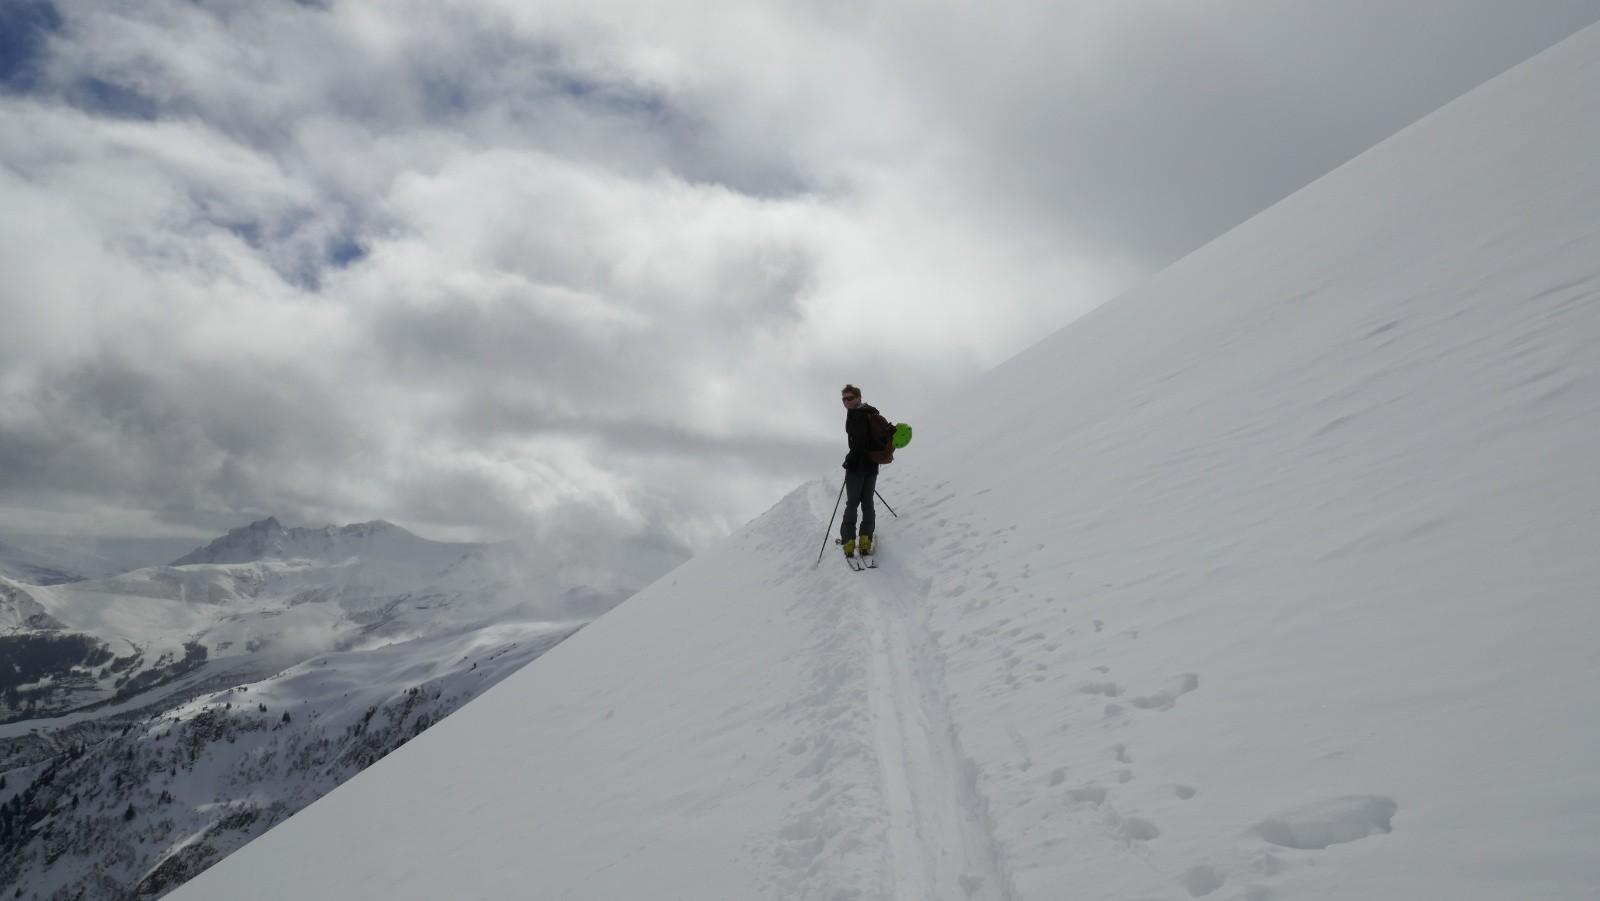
820 834
940 837
884 766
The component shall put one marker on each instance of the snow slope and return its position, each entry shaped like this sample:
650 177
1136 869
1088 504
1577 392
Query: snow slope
1274 578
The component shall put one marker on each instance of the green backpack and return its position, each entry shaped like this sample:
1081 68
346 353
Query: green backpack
889 437
902 435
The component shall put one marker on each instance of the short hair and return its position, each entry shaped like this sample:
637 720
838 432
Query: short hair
850 389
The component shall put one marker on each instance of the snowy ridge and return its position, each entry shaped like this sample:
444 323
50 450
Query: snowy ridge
1278 583
19 611
268 539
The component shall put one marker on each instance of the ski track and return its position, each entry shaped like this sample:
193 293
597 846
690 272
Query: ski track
940 838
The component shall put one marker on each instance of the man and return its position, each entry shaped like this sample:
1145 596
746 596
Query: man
860 473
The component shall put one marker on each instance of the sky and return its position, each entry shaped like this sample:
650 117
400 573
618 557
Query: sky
592 273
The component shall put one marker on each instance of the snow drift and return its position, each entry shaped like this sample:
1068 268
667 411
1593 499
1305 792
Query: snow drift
1274 578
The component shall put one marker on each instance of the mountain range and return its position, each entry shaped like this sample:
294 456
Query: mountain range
157 719
257 600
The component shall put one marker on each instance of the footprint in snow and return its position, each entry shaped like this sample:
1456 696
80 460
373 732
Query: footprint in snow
1107 689
1136 829
1088 794
1167 697
1332 822
1202 881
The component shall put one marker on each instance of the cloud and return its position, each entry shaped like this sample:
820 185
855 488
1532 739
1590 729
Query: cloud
590 274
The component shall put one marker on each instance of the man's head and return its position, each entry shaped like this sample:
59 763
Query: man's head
851 395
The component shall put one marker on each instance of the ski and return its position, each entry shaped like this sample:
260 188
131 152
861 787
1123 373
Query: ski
870 560
855 563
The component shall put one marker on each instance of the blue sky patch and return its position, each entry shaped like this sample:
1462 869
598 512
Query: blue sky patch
96 95
25 29
344 252
619 99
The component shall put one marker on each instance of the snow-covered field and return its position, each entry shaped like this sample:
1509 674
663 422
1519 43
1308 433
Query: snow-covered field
1275 578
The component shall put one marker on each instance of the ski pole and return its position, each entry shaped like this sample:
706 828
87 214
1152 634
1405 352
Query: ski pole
885 506
829 530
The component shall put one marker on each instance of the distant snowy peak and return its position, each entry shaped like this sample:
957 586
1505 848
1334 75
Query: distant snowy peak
267 539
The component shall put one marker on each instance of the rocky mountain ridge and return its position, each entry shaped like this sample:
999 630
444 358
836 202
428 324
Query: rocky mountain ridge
268 539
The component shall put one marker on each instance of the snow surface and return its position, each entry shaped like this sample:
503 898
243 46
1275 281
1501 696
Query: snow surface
1274 578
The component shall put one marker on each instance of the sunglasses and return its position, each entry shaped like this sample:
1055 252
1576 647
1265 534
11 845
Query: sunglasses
850 397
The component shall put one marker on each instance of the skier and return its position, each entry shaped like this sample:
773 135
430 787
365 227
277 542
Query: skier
860 473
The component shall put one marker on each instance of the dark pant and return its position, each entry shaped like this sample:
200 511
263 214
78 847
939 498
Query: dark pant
859 488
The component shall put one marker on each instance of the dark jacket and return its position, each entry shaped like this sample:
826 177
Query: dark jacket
859 430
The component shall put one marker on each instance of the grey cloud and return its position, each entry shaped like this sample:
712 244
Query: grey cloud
1151 128
211 440
263 74
591 274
